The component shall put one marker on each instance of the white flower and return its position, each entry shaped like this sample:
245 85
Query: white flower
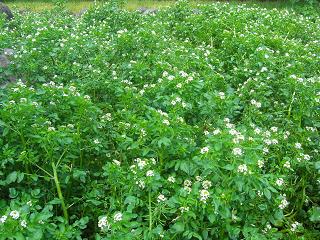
222 95
187 183
265 150
216 132
103 223
12 102
243 168
29 203
170 78
280 182
71 126
23 223
297 145
184 209
72 88
14 214
260 163
204 195
150 173
264 69
204 150
294 226
141 184
257 130
3 219
86 97
117 217
161 198
237 151
287 164
171 179
166 122
187 189
141 164
96 141
284 203
51 129
274 129
306 157
116 162
199 178
179 85
206 184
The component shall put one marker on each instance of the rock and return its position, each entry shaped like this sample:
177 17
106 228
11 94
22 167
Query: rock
4 9
8 52
6 78
82 11
4 61
146 11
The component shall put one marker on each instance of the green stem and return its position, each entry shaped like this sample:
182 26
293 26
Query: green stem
56 180
80 147
150 212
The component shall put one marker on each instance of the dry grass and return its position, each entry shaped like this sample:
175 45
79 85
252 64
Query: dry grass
76 6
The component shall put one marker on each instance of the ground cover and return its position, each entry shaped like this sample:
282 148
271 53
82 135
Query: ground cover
195 122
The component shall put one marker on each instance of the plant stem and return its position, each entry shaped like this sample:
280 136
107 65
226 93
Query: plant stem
150 212
56 180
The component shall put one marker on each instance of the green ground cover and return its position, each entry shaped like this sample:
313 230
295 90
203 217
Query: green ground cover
196 122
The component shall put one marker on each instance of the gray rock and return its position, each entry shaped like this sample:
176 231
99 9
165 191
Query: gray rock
144 10
8 52
4 61
8 81
4 9
82 11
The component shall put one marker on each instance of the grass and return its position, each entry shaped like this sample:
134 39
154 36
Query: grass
76 6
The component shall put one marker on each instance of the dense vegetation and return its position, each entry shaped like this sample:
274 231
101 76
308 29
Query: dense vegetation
185 124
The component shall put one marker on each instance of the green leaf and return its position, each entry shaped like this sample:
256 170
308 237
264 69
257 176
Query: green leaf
12 177
315 214
164 141
267 193
178 227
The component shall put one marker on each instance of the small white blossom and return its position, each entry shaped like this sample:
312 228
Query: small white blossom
260 163
150 173
103 223
222 95
287 164
141 184
206 184
216 132
294 226
297 145
237 151
166 122
204 150
96 141
117 217
204 195
171 179
14 214
187 183
116 162
161 198
23 223
243 169
280 182
284 203
3 219
51 129
184 209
